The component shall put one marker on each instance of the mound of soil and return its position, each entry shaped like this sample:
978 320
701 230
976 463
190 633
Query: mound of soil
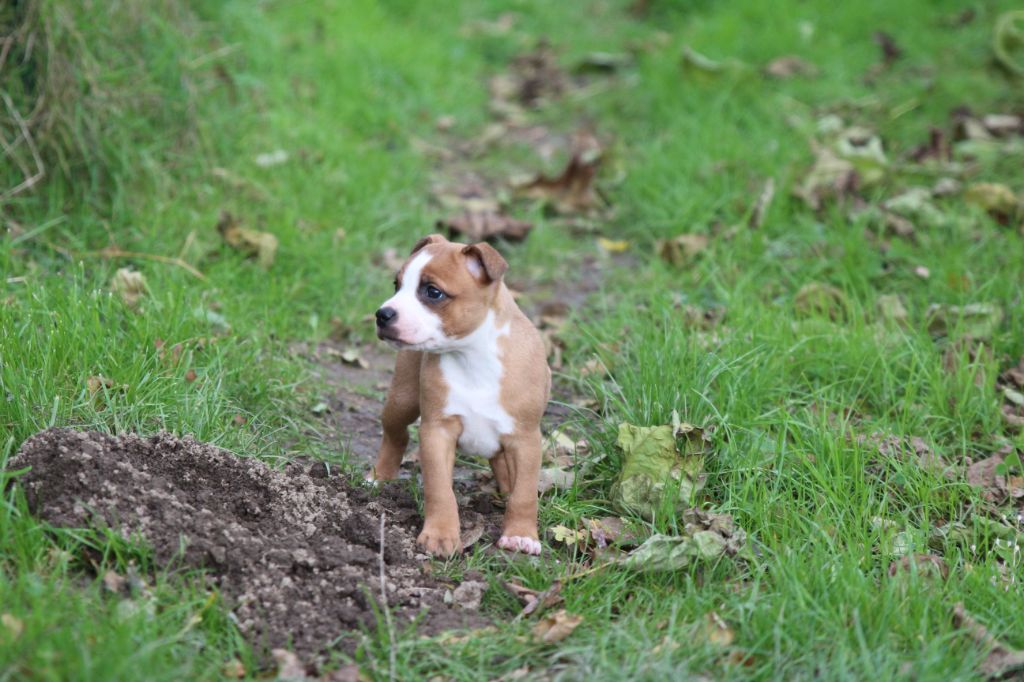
295 551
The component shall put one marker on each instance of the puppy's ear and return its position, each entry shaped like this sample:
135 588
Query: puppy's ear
484 262
429 239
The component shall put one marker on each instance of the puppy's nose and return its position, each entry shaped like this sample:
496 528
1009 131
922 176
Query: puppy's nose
385 316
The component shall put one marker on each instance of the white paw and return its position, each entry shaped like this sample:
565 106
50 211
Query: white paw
517 543
371 478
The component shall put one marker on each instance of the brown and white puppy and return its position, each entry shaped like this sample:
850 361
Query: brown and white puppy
473 368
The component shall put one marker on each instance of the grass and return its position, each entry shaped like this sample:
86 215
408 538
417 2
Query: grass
343 89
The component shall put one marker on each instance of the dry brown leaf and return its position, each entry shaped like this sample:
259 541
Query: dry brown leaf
927 565
471 536
555 478
983 475
469 594
717 631
233 669
533 78
289 667
346 673
1000 660
682 249
610 530
790 66
253 243
130 285
556 627
996 199
764 202
573 191
542 601
478 226
12 624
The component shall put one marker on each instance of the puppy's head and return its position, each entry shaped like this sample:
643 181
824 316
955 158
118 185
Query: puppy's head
442 294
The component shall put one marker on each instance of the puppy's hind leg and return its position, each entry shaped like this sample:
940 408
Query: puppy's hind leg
401 409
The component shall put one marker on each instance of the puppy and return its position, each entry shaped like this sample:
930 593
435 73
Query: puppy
474 369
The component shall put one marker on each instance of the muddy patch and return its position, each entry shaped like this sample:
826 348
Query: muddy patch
295 552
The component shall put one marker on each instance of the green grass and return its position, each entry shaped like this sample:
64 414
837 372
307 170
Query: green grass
342 88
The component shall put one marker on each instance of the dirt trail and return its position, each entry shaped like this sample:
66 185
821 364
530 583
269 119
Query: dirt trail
295 552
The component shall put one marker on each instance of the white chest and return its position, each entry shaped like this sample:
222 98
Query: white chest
473 375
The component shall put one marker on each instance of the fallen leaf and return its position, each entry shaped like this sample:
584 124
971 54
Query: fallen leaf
471 536
469 594
346 673
610 530
613 245
115 583
816 299
1008 41
556 627
320 409
682 249
573 191
916 204
12 624
543 601
891 309
289 667
761 206
997 200
560 448
478 226
922 272
926 565
1000 660
701 68
568 536
887 44
975 320
390 259
654 472
984 474
233 669
271 159
254 244
557 478
533 78
352 357
603 62
130 285
790 66
717 631
674 552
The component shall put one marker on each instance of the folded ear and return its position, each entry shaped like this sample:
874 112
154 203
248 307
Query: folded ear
429 239
483 260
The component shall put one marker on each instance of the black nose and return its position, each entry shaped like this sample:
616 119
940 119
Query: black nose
385 316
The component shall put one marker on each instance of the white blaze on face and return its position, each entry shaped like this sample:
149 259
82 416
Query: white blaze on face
416 326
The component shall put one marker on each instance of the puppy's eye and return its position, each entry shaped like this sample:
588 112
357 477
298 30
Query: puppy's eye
433 293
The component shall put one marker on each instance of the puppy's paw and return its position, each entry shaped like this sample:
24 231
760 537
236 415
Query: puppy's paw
439 542
375 477
519 543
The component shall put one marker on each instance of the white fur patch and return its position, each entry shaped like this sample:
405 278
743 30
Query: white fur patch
473 371
417 327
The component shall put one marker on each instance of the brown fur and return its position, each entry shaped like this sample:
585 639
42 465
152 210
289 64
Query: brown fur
419 389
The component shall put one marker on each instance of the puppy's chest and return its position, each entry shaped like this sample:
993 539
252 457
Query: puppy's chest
474 395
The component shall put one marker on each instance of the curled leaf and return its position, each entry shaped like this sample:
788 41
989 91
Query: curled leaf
654 472
130 285
254 244
556 627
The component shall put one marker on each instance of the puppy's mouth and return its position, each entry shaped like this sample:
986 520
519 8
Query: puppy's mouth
391 337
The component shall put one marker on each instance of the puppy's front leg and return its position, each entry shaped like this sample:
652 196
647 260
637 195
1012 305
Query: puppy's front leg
523 455
440 534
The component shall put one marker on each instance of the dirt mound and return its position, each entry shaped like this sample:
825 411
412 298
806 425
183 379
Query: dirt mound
296 552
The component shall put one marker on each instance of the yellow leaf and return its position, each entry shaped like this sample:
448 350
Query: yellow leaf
613 245
556 626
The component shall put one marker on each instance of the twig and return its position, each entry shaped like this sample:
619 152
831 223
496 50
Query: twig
27 136
392 653
112 252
